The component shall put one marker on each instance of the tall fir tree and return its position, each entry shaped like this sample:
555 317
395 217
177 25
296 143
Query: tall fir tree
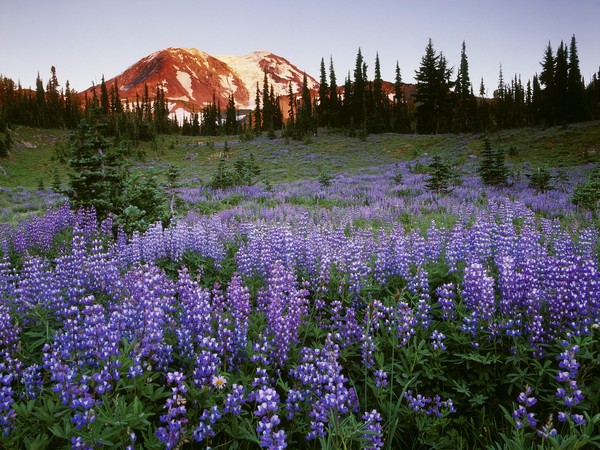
357 101
40 102
267 105
546 79
334 99
433 89
575 87
231 126
379 114
257 112
400 120
561 83
323 105
465 106
104 101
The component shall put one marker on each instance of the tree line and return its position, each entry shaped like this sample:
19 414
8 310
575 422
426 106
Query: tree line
439 102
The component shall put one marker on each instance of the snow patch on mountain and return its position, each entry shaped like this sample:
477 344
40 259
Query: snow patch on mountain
185 80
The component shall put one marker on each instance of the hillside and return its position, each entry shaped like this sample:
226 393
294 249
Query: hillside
33 158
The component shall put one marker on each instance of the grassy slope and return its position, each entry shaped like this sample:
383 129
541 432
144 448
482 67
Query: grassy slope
288 161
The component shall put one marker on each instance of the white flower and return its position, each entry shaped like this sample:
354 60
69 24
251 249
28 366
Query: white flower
219 381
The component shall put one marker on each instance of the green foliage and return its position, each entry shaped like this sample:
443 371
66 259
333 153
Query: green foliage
142 202
540 179
492 169
5 142
587 194
441 176
325 177
245 172
98 171
102 180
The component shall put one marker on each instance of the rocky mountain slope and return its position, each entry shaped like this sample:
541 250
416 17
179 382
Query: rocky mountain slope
190 78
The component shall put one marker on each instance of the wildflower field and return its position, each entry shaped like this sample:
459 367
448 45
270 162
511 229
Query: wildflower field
366 312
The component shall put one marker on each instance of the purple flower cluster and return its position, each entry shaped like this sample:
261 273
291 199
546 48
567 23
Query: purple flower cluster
571 395
429 405
320 384
267 400
521 415
374 430
173 432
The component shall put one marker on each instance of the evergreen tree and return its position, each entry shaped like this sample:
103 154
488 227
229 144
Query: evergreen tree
587 194
322 109
104 101
575 86
291 106
231 126
116 105
546 79
40 102
54 102
440 179
257 112
491 168
400 120
561 83
465 108
357 99
5 142
97 173
304 122
500 102
379 113
267 105
433 89
333 108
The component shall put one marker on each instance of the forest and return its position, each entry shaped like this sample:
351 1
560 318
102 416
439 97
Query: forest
441 101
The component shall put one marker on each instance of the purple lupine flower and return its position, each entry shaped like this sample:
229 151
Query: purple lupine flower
437 340
445 299
234 400
374 438
429 405
478 297
174 430
380 378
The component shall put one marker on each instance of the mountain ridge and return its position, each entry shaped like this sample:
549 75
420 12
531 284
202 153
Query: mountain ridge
192 78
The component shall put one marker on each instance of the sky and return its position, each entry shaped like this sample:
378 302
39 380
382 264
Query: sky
86 40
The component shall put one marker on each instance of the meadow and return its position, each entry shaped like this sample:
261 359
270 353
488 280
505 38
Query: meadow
365 312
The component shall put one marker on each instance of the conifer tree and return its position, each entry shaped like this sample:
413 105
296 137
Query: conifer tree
546 79
357 101
433 88
104 101
379 115
97 173
491 168
561 83
440 177
40 102
400 119
322 109
231 117
291 106
304 119
465 102
54 102
334 100
575 85
257 112
267 105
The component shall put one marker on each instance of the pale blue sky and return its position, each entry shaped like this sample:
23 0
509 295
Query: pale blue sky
86 39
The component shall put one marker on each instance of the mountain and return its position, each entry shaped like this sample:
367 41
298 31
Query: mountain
190 78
